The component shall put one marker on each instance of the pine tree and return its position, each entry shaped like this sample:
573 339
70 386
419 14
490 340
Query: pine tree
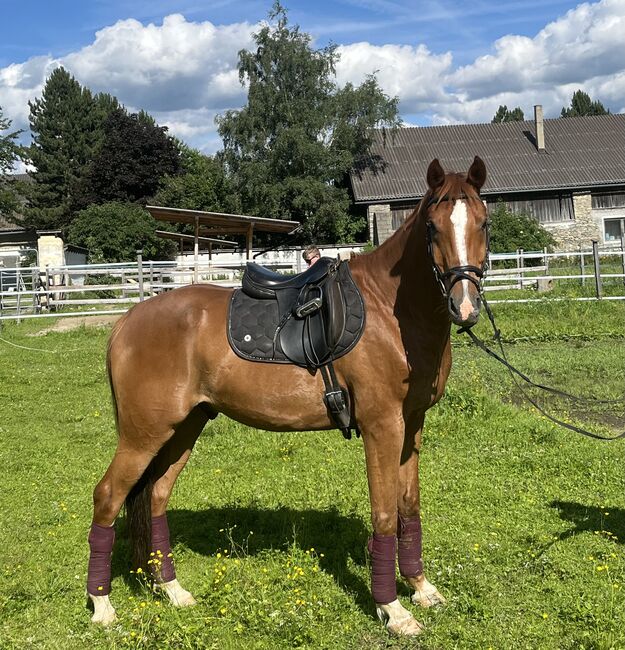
66 127
505 115
582 104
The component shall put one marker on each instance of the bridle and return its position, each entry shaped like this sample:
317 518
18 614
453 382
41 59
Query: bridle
457 273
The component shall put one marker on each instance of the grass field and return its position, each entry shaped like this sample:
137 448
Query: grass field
524 523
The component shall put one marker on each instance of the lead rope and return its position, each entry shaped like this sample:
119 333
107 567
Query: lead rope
514 372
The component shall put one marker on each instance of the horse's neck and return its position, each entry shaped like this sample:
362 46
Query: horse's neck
401 271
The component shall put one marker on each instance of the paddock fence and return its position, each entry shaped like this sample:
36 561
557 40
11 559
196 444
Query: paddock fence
102 289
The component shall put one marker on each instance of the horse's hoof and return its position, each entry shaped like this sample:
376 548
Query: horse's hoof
178 596
103 611
426 594
398 620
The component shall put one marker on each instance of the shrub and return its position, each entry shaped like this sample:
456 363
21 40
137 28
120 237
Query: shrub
510 231
112 232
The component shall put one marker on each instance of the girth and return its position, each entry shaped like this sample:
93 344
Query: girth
309 320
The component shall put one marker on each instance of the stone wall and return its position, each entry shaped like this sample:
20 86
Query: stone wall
380 222
581 231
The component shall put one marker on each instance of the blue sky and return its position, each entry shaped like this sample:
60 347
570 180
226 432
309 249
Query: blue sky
447 61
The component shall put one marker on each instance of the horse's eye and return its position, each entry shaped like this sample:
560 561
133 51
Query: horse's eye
431 227
485 225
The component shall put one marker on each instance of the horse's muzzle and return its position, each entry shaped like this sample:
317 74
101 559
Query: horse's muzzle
464 307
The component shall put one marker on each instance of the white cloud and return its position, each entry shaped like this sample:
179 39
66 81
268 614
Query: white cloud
176 65
184 73
583 49
411 73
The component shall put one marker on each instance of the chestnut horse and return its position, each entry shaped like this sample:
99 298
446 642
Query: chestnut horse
171 370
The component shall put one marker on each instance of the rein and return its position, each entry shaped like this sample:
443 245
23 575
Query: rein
514 373
458 273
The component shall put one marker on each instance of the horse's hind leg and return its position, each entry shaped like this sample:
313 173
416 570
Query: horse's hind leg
409 546
168 464
126 468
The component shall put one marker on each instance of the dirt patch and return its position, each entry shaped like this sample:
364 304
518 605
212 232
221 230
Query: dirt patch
72 323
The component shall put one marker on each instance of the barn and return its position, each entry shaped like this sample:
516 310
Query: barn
568 173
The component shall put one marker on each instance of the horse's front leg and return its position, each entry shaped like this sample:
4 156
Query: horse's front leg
409 549
383 446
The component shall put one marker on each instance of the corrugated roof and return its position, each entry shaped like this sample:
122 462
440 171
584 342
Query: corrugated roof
579 152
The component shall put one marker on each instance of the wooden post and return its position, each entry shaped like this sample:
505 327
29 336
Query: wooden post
140 270
248 241
595 255
151 279
519 266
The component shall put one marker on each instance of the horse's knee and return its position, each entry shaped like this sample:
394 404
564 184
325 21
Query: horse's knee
384 523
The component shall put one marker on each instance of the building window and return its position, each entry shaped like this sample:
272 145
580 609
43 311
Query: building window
547 209
614 200
612 229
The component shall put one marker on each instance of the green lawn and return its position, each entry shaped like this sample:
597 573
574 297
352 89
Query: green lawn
524 523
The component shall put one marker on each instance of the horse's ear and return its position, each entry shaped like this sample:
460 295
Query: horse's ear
436 175
477 173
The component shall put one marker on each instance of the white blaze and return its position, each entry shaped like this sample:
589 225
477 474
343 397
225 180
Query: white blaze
459 218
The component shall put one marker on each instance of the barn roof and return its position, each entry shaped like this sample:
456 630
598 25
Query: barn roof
579 152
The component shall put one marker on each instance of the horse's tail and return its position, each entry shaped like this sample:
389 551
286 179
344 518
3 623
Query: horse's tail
139 519
139 499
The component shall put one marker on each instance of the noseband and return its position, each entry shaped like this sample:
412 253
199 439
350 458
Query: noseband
456 273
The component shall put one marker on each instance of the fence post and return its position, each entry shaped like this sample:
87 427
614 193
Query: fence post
623 248
595 255
140 270
582 264
546 260
49 298
519 265
18 286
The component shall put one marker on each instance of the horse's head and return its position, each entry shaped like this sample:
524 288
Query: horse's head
457 232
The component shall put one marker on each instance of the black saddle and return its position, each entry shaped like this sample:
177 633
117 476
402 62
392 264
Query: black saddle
261 282
309 319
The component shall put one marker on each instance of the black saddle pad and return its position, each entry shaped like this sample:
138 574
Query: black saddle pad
253 324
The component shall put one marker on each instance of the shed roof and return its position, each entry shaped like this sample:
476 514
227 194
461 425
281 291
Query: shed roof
220 223
579 152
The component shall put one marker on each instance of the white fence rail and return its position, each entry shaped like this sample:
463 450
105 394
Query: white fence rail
32 292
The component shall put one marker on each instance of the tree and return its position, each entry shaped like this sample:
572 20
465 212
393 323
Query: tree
505 115
9 154
510 231
132 157
113 232
581 105
201 184
290 148
66 127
